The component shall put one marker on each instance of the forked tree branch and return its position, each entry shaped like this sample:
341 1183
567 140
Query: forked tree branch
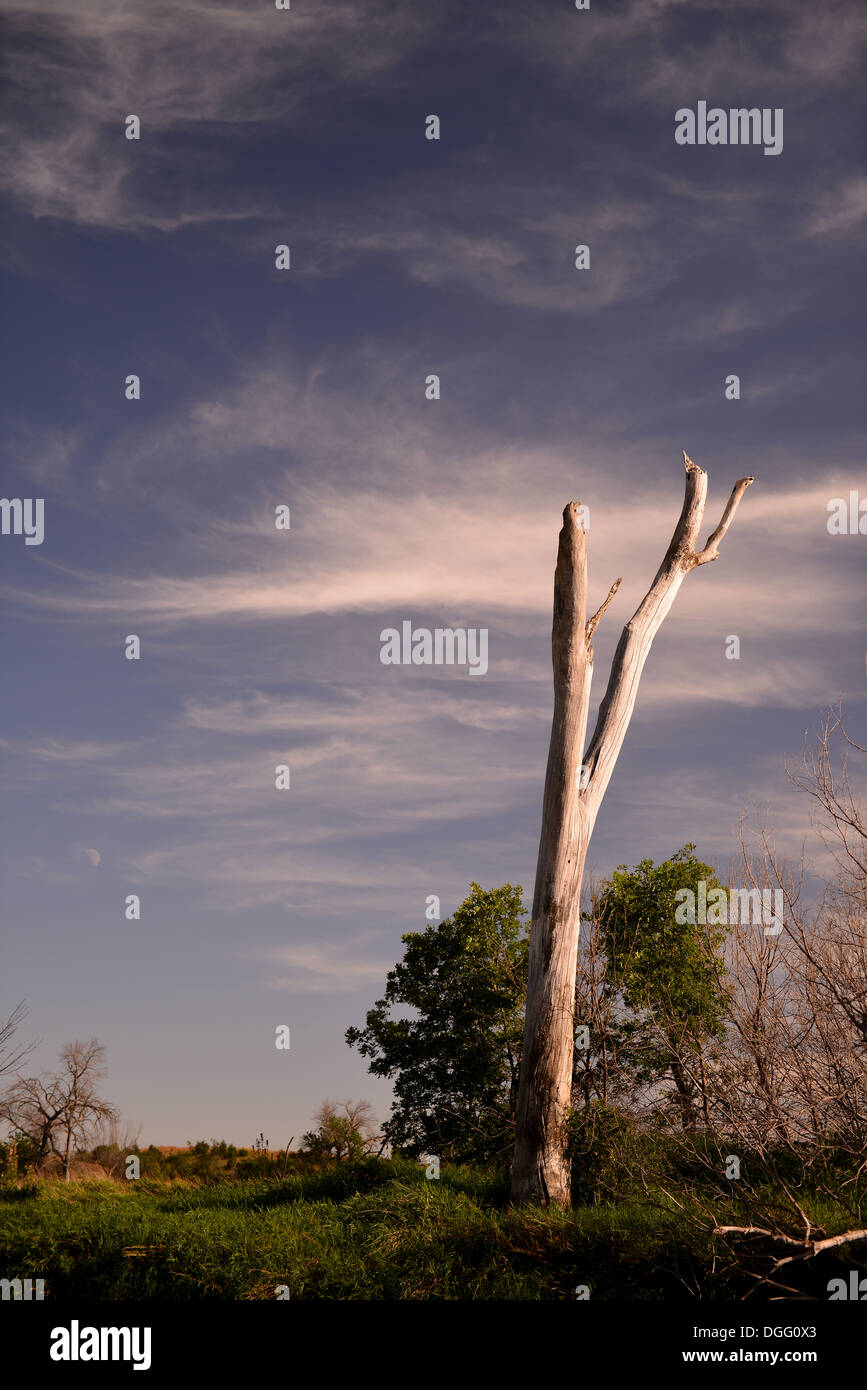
617 705
711 550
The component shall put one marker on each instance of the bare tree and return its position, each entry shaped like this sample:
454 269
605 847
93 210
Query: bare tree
342 1132
797 1068
575 783
33 1105
111 1143
83 1065
57 1111
792 1081
11 1055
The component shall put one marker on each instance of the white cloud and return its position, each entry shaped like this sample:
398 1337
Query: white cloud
66 750
524 253
841 210
322 968
482 554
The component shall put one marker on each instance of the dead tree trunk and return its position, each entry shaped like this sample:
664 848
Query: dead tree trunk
575 783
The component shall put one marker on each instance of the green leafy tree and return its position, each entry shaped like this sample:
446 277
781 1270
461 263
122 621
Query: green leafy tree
668 974
455 1061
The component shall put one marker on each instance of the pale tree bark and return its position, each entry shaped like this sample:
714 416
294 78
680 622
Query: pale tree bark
575 783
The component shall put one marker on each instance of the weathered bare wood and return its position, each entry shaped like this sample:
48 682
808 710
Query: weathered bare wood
598 615
711 550
547 1057
806 1248
570 805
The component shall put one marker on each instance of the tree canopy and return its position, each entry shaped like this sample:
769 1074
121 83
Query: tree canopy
455 1059
668 973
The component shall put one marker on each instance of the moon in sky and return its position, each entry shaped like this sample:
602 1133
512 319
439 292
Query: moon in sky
94 856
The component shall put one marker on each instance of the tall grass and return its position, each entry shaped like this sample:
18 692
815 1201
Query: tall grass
377 1230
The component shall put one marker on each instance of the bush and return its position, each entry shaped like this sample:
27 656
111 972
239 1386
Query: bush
611 1153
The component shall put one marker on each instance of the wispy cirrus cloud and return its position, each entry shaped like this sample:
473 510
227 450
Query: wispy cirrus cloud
198 66
358 551
322 968
840 211
739 43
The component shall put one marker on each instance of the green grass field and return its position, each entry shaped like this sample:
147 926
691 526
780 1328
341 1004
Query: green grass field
374 1231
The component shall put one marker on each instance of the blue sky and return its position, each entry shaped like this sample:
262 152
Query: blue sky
306 387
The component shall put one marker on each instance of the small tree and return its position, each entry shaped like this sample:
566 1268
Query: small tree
668 973
111 1144
455 1063
83 1065
57 1111
350 1135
